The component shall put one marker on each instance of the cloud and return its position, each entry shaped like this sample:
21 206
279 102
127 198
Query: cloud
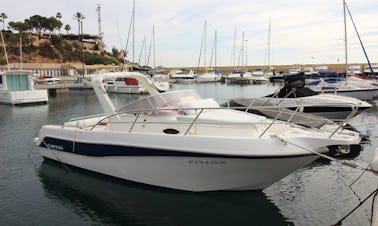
299 31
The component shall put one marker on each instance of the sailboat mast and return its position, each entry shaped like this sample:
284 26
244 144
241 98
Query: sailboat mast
5 50
133 29
246 55
215 51
141 50
204 50
234 52
21 66
269 46
153 39
345 39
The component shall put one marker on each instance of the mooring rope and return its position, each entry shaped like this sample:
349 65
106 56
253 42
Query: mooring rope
64 165
342 162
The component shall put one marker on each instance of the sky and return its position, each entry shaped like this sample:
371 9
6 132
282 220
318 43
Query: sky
310 33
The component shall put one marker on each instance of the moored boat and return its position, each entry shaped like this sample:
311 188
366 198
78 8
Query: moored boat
17 87
179 140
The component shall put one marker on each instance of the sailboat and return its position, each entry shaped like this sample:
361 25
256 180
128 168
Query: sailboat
240 75
261 76
208 76
354 88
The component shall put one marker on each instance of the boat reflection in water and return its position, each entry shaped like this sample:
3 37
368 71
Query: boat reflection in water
108 200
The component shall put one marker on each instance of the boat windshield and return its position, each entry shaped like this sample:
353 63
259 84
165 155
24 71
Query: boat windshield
169 100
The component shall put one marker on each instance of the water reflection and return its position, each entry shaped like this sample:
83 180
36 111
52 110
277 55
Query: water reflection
117 202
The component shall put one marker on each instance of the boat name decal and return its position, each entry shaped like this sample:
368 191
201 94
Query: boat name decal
207 162
55 147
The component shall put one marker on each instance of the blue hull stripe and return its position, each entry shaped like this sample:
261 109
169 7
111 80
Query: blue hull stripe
102 150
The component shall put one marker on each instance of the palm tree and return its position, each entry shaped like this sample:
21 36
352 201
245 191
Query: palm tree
79 17
67 27
3 16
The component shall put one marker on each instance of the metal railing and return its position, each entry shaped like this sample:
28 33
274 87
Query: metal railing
137 114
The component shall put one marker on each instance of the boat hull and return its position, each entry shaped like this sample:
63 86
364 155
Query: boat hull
188 173
23 97
206 164
362 94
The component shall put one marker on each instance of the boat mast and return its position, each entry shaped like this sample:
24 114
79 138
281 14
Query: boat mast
269 46
5 50
345 39
141 50
246 56
359 38
267 50
153 38
133 29
215 51
21 66
202 44
233 58
241 52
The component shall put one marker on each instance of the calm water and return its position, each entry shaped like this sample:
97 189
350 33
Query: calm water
37 192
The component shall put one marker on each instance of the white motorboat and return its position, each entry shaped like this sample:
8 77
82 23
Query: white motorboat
239 76
51 80
182 76
179 140
17 87
124 85
161 82
362 90
334 107
354 70
372 70
208 77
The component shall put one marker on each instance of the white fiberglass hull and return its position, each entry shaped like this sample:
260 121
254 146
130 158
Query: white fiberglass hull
367 94
334 107
208 77
23 97
184 162
188 173
130 89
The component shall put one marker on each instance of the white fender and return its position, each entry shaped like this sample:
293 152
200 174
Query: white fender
374 161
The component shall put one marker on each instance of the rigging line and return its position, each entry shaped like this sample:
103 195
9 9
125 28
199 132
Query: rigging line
48 148
359 38
372 208
350 186
343 162
355 208
31 160
128 35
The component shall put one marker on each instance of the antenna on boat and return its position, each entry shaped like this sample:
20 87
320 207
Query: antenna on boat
5 50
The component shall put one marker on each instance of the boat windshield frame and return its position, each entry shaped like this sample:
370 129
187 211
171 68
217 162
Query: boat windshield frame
170 100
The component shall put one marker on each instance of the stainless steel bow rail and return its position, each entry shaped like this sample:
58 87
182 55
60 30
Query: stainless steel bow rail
137 114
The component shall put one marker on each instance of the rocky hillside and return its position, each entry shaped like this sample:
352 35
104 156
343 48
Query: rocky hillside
54 48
